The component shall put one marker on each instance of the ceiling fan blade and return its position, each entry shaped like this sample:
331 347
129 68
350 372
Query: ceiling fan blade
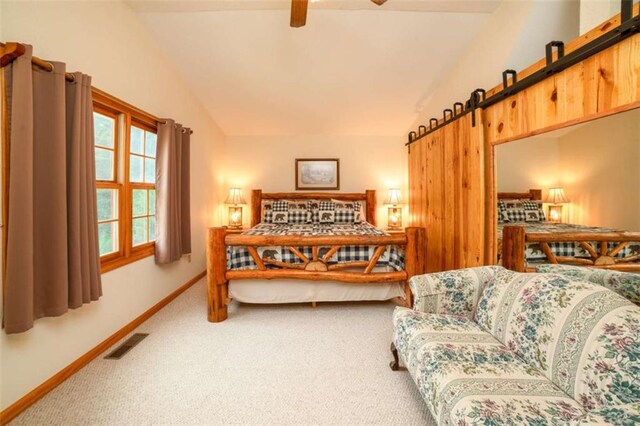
299 13
379 2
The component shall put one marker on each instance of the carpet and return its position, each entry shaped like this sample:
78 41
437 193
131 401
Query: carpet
266 364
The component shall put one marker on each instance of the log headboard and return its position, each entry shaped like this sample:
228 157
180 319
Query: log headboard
368 197
533 194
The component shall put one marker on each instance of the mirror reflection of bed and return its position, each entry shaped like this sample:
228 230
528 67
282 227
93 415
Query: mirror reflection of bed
575 193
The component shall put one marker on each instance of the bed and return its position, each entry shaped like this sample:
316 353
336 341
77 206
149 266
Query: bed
526 238
311 247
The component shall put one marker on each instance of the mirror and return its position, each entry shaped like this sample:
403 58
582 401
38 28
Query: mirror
589 177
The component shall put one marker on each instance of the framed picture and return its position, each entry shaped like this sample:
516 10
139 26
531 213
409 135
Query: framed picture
317 173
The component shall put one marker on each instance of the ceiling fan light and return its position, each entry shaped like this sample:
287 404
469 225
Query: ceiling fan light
379 2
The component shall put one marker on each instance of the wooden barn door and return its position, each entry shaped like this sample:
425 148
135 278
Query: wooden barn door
446 193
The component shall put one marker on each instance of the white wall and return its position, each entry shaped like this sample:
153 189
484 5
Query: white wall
594 12
366 162
531 163
106 40
513 37
601 172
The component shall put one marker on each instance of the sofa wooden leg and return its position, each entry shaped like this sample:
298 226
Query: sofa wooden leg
395 364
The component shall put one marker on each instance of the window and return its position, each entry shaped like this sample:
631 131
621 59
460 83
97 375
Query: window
125 158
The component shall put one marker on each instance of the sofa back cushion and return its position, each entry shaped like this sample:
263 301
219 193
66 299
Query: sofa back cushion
451 292
626 284
582 336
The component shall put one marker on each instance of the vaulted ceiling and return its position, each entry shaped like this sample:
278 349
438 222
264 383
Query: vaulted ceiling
355 68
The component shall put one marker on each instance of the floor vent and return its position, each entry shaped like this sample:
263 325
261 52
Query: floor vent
122 350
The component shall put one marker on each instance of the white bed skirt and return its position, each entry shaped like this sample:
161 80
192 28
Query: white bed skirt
299 291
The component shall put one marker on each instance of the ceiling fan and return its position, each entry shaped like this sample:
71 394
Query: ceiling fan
299 11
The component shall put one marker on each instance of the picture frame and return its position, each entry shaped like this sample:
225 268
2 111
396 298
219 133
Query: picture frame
317 174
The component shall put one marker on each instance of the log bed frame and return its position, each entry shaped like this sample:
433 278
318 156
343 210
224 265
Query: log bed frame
315 268
514 240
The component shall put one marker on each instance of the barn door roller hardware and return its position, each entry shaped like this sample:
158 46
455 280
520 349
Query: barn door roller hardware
629 25
505 78
549 51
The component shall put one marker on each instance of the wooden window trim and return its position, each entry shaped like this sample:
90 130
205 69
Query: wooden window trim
126 117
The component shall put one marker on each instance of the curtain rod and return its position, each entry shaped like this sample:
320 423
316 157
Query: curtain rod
13 50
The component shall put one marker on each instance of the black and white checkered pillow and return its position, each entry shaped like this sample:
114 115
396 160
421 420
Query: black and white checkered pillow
280 206
516 215
348 211
280 217
326 205
314 208
502 212
327 216
345 216
534 205
532 215
299 216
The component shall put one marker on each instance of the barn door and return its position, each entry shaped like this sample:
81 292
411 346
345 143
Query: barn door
446 193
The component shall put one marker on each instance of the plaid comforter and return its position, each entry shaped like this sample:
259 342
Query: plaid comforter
533 252
239 258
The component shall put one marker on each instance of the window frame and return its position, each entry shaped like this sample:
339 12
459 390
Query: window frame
126 116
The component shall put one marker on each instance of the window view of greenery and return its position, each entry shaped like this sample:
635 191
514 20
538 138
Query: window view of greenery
126 204
143 213
107 220
142 162
142 174
104 128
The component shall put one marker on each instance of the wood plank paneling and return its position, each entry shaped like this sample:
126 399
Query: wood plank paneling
446 194
604 84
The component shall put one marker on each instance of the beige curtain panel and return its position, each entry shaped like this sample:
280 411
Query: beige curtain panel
173 214
52 258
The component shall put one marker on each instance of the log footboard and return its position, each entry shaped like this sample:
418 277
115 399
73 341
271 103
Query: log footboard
314 268
515 239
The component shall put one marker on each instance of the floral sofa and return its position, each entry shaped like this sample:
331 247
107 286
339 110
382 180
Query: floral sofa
489 346
625 284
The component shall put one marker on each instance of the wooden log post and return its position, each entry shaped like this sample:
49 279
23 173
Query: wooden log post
513 248
217 284
371 206
256 206
415 258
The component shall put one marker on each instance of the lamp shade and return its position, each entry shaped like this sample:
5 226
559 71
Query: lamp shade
556 196
393 197
235 197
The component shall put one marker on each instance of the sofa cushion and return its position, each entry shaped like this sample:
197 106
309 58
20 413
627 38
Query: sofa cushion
620 415
626 284
451 292
466 376
582 336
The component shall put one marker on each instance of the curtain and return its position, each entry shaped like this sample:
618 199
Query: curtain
52 258
173 217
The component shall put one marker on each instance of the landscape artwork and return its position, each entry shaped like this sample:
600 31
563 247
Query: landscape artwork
317 173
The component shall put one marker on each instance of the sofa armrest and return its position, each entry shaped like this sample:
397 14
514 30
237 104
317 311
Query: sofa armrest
451 292
626 414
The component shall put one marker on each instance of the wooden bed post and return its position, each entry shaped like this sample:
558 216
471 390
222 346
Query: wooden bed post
371 206
217 284
513 248
415 256
256 206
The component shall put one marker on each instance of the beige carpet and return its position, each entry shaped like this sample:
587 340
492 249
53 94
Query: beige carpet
278 364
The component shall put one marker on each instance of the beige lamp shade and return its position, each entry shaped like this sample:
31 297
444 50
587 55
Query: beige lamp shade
393 197
235 197
556 196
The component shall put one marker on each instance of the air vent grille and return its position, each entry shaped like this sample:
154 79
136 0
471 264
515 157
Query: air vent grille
126 346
